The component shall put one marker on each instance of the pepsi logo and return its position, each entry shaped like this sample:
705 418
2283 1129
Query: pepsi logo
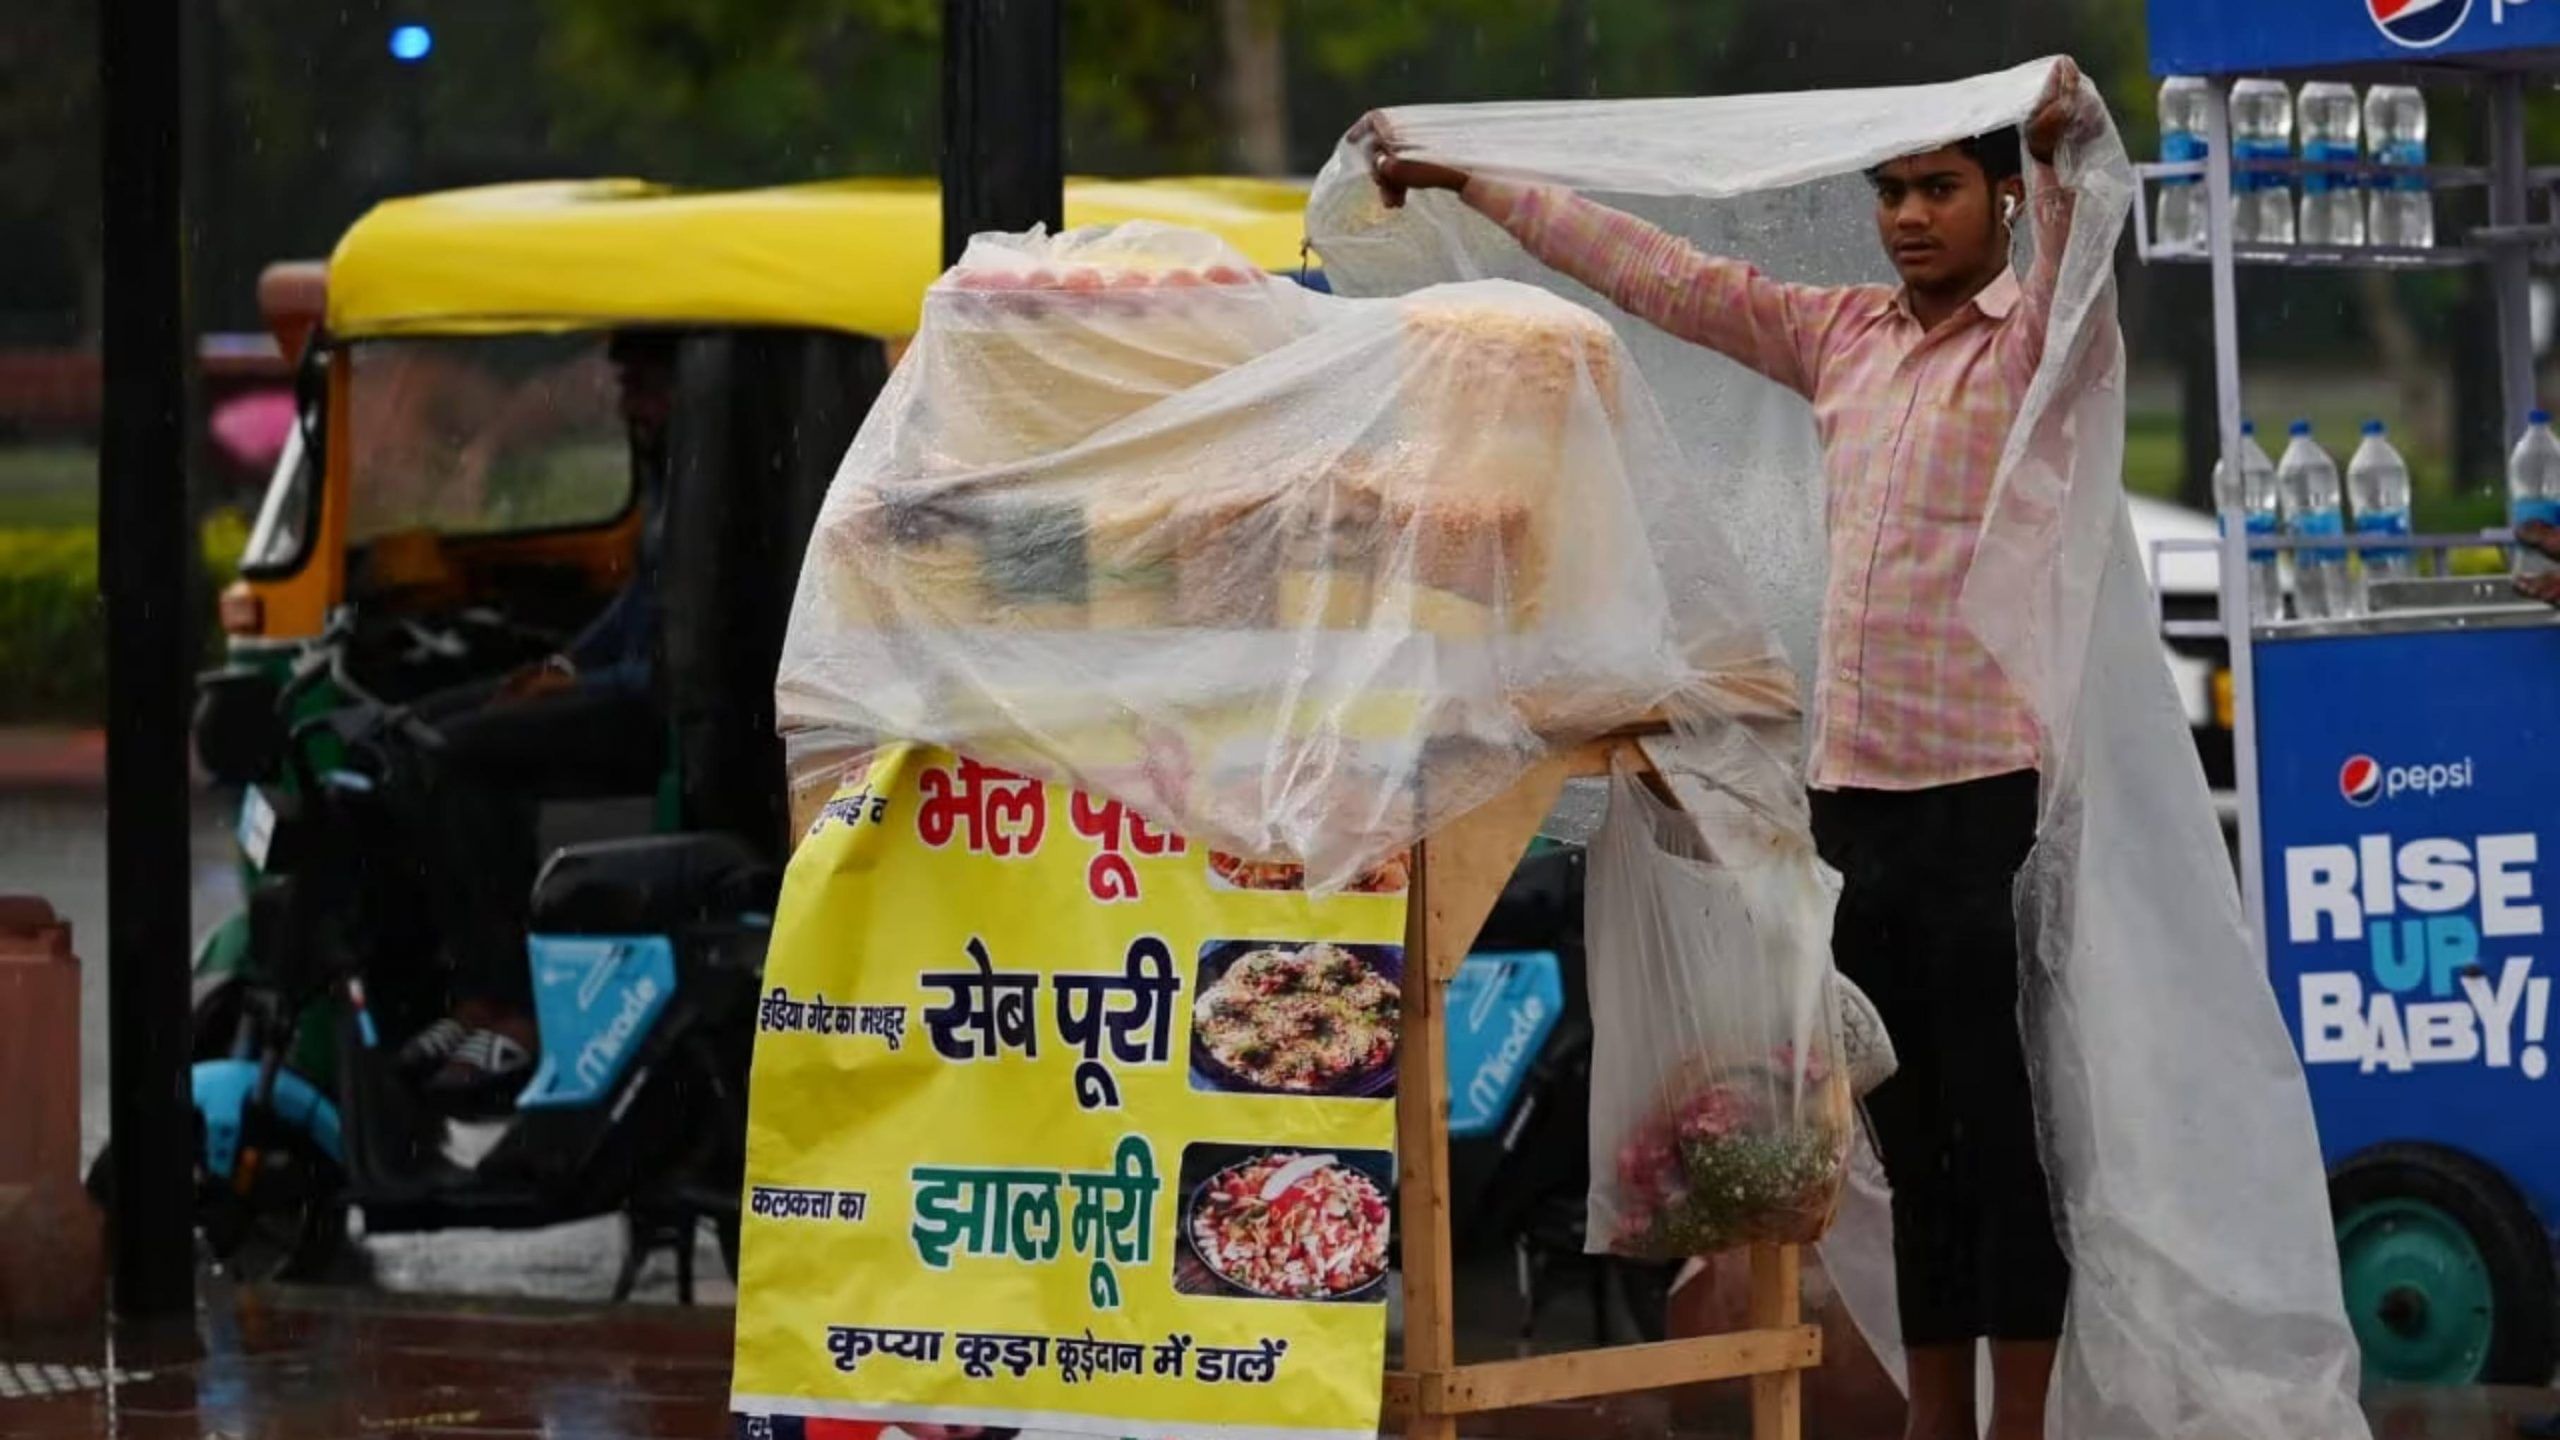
2418 24
2364 780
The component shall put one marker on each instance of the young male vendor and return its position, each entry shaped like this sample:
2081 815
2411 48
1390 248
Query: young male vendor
1924 762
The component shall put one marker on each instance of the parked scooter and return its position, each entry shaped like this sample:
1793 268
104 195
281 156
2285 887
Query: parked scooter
1520 1104
645 956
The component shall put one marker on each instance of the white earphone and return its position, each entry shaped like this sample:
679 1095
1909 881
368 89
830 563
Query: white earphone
2008 209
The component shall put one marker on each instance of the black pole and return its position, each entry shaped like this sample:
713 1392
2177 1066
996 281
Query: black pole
1003 155
144 570
2189 324
1573 50
2480 439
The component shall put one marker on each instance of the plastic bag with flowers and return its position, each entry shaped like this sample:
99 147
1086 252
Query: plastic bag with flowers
1720 1110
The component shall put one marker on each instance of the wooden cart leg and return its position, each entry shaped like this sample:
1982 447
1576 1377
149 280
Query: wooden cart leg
1457 876
1422 1145
1777 1401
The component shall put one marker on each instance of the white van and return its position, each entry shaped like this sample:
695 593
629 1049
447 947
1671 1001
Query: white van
2188 583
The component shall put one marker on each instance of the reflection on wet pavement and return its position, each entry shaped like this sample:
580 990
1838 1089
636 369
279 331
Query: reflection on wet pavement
285 1365
299 1364
2455 1414
288 1364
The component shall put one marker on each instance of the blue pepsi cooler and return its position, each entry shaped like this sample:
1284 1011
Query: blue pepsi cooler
2412 871
2393 736
2217 37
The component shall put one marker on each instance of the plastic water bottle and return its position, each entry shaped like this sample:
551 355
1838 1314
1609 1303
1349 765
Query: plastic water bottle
2307 481
2378 493
2261 129
2184 224
2533 487
2332 133
2401 210
2254 496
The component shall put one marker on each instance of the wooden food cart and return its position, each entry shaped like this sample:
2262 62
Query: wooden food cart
1457 875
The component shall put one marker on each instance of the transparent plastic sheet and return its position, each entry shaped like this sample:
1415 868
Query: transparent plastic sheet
2189 1183
1301 577
1720 1111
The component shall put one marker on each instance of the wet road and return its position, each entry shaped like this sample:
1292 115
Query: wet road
341 1361
307 1364
53 843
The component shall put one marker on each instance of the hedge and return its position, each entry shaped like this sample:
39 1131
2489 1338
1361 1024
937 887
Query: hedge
53 624
53 651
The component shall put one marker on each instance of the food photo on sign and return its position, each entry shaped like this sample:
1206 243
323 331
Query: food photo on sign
1234 872
1279 1224
1297 1019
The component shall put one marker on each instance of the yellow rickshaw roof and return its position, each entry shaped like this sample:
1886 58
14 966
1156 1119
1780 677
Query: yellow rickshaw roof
853 255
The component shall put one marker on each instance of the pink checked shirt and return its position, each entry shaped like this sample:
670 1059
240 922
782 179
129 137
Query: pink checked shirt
1912 425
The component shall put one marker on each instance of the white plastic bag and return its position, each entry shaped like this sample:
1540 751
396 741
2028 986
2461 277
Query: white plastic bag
1720 1111
1866 1048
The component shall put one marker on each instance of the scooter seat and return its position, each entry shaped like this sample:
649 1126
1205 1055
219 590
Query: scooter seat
651 885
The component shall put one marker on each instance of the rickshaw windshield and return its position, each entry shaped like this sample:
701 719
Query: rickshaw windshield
277 540
485 436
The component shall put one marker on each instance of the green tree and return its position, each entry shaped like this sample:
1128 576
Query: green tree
315 122
1350 57
731 91
49 140
740 91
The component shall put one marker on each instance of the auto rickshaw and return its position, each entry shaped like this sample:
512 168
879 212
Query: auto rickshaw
461 494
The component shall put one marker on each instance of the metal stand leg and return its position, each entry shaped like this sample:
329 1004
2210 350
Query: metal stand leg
684 1235
635 1253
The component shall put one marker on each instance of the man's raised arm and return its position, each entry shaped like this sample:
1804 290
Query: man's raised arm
1654 275
1725 305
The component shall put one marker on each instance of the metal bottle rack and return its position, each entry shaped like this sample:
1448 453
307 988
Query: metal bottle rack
2507 245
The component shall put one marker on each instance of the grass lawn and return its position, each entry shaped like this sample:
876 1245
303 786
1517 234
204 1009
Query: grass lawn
2337 405
2152 461
48 486
54 484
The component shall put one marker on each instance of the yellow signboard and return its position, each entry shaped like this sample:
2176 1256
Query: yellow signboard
1059 1123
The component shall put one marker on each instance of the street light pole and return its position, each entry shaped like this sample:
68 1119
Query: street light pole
1003 152
145 565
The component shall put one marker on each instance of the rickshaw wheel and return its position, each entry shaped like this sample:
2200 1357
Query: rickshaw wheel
2448 1273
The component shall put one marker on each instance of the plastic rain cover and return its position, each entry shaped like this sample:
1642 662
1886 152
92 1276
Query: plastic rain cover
1300 576
2177 1127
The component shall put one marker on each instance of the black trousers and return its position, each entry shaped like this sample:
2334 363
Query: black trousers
476 803
1925 927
